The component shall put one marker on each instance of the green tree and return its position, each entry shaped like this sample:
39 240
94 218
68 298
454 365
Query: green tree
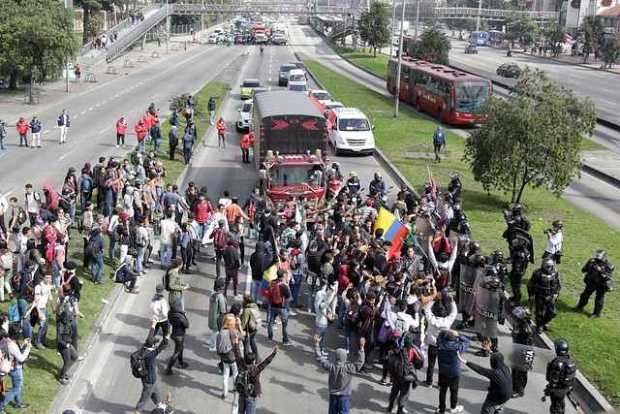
592 32
531 139
521 28
611 51
554 35
433 46
89 7
373 26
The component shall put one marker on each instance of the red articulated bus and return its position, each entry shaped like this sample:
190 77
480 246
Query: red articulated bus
454 97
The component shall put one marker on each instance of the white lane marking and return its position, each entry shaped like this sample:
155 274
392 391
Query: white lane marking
47 131
103 130
90 109
82 113
75 116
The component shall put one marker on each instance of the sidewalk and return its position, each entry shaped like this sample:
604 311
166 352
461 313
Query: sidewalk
576 61
13 105
603 164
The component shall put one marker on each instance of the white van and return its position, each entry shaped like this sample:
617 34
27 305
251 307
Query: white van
351 131
297 79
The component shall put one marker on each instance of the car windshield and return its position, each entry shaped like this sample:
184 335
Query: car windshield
321 96
286 69
290 174
298 88
250 84
353 124
247 107
297 78
470 96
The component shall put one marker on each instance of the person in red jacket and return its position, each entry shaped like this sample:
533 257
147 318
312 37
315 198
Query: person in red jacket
141 131
221 130
245 143
121 130
202 213
22 129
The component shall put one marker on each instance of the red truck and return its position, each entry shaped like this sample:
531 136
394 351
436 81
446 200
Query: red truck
290 148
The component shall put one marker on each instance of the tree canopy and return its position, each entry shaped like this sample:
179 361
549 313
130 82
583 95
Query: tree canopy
521 28
433 46
89 6
373 26
531 139
36 38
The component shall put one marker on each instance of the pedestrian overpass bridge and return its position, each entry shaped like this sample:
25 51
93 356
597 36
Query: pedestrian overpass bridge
443 13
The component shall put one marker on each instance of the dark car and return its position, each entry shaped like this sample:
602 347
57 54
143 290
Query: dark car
509 70
283 73
471 49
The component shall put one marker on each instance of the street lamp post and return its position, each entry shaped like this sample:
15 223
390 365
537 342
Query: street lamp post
392 28
478 17
400 60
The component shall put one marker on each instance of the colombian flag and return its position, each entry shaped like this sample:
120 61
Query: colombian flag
393 230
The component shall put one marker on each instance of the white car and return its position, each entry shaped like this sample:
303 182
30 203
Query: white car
298 87
297 77
245 115
212 39
320 95
350 131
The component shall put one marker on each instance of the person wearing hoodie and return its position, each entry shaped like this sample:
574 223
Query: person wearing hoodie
64 332
217 309
450 345
150 388
438 318
325 308
259 261
178 319
35 128
340 375
500 383
95 250
231 265
160 310
249 323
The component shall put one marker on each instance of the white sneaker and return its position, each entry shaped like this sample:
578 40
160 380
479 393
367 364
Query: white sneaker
292 312
457 409
117 146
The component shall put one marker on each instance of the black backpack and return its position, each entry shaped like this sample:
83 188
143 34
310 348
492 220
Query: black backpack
569 372
138 363
243 383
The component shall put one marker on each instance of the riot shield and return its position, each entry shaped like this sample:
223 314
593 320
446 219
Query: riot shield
529 357
467 278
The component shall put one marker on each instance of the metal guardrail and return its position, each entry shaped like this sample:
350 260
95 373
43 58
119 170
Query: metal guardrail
463 12
137 32
266 8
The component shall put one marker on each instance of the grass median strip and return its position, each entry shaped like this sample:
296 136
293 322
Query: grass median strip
40 376
593 342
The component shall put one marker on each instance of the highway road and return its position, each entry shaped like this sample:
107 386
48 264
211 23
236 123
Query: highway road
600 86
293 381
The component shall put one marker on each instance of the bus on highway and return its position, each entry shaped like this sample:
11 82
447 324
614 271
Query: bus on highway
479 38
454 97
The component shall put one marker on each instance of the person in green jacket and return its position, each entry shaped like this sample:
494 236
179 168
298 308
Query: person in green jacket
217 309
249 324
172 280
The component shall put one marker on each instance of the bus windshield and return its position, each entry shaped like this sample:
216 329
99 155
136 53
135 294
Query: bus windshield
470 96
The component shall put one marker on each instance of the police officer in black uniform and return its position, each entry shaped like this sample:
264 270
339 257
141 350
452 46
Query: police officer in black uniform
543 289
561 373
499 264
598 279
519 258
518 219
522 334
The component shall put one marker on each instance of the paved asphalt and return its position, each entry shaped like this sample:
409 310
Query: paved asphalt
582 80
293 382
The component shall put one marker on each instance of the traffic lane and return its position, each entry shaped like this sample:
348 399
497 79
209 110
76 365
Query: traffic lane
596 196
93 135
103 382
584 81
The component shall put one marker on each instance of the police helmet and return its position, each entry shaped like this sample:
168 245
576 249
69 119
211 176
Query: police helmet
558 224
600 254
498 256
378 176
521 312
561 346
517 208
548 264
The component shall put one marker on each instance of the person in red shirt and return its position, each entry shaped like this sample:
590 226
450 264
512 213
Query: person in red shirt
141 131
245 143
22 129
221 130
202 213
121 130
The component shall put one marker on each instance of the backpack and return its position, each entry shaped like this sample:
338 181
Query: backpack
252 325
86 185
275 294
416 357
21 216
91 248
223 346
13 312
6 361
399 327
138 364
219 239
243 384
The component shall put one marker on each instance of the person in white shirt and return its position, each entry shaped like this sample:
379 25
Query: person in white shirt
555 237
32 203
325 307
4 207
160 308
440 314
18 354
225 200
42 293
169 230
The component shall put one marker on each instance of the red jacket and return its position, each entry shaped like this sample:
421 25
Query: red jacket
246 141
202 211
22 127
121 127
140 129
221 126
149 120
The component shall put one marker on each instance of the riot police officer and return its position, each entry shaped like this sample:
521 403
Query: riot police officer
561 373
519 258
523 355
377 186
543 290
498 263
471 267
353 184
488 309
518 219
455 187
598 279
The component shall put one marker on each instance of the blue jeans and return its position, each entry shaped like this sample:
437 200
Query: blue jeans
255 289
112 247
297 279
321 331
2 143
108 203
27 328
15 394
157 145
283 314
140 258
141 146
339 404
55 273
96 267
247 404
42 327
165 253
